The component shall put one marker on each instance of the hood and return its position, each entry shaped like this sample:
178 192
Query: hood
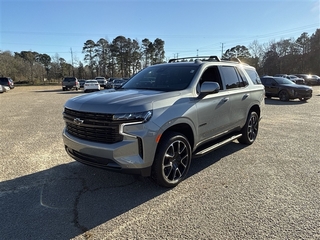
118 101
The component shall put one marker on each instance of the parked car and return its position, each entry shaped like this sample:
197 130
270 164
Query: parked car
69 83
285 89
117 83
309 79
317 78
102 81
109 84
91 86
291 77
296 79
2 89
81 82
164 116
6 81
114 82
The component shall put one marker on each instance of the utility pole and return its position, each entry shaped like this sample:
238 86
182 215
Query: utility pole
221 50
72 61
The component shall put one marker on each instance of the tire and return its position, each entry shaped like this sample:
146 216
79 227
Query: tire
172 160
250 129
284 95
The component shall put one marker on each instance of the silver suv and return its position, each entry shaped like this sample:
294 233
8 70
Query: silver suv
164 116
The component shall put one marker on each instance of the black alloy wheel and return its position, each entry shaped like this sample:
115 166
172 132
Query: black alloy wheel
172 160
250 129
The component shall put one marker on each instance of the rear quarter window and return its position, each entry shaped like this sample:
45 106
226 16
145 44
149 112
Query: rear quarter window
253 76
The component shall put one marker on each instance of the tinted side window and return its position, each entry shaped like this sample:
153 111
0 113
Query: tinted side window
253 76
211 74
268 81
243 79
231 77
4 81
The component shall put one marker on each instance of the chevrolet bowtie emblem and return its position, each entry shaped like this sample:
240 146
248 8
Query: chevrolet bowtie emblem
78 121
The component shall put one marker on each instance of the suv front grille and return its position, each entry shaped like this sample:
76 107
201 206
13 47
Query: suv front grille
95 127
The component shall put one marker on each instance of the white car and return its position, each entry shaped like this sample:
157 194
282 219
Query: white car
91 86
6 88
2 89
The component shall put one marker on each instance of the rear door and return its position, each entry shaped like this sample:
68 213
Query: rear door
239 95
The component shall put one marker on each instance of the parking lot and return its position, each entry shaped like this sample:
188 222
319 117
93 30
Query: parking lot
269 190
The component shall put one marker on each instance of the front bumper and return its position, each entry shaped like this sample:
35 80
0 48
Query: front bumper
300 93
126 156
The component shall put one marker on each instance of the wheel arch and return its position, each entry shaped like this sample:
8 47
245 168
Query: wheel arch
256 109
184 129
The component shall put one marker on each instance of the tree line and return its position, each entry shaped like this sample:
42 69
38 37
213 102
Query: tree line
287 56
123 57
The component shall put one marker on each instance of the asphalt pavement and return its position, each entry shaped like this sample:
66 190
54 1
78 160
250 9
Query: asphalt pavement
269 190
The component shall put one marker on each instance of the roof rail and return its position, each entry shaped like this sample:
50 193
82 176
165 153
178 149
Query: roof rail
234 59
202 58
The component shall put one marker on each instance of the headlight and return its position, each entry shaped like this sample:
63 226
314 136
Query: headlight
133 117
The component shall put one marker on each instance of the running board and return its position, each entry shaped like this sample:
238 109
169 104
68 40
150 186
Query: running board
217 145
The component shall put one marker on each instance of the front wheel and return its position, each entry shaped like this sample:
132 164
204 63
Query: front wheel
172 160
284 95
250 129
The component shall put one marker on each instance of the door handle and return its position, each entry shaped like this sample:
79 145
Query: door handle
245 96
225 99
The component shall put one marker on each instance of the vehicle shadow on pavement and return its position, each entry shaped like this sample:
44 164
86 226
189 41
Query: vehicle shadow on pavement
275 101
71 92
201 163
70 199
59 91
49 90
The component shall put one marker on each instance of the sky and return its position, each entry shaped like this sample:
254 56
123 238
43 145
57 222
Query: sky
188 27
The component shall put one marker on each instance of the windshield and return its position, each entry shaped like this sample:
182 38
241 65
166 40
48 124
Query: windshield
169 77
282 80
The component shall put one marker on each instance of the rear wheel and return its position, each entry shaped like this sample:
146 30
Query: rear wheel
172 160
284 95
250 129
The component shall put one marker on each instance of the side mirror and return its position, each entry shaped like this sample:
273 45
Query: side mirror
209 88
